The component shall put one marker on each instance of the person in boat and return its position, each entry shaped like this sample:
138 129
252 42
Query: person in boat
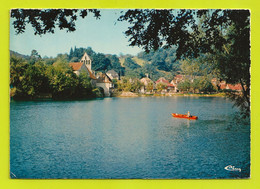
188 114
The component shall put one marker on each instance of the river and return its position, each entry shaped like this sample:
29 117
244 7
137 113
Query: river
128 138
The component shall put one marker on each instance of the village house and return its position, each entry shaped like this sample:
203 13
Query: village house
146 81
97 80
170 87
112 74
178 79
105 82
225 86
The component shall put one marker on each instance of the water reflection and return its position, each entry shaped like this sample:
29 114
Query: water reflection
127 138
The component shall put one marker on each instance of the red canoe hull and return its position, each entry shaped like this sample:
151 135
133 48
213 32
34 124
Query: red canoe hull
184 116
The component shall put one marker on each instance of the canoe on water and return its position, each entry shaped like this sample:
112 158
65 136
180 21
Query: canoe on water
184 116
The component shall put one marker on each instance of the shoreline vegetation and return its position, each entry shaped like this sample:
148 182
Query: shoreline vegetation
122 95
34 78
130 94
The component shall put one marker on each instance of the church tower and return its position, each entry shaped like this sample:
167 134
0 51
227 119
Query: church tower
87 61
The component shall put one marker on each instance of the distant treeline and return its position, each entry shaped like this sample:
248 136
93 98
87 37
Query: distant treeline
161 63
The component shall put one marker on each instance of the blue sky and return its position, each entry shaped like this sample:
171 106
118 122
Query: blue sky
104 35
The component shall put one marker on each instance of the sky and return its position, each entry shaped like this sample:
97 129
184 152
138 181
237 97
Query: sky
104 35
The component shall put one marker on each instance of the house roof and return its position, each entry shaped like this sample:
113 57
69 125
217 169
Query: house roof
162 80
236 87
178 76
76 65
103 78
112 72
92 76
146 79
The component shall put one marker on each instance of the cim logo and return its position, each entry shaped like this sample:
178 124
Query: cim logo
232 168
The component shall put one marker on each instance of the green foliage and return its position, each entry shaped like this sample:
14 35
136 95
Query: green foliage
202 84
184 86
161 86
34 57
116 64
136 73
17 69
84 88
162 59
29 81
129 63
98 92
203 65
150 86
132 85
115 83
225 34
45 20
240 102
190 67
74 59
101 63
198 85
48 61
136 85
76 54
63 81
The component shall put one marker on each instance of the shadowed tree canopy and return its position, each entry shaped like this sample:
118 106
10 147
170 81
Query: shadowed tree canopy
46 20
225 34
152 29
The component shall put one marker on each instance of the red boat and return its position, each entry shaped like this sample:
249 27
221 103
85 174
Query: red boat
184 116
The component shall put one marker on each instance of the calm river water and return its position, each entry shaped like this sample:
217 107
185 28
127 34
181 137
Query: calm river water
128 138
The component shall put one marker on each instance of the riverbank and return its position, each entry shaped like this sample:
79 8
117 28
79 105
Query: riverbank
131 94
120 95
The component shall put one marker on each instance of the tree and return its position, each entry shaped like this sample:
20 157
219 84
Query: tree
223 33
190 67
101 63
76 54
27 80
115 63
34 57
84 87
62 81
184 86
150 86
46 20
202 84
17 69
71 53
136 85
129 63
161 86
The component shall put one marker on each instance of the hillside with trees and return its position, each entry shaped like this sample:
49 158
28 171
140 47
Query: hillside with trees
33 76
